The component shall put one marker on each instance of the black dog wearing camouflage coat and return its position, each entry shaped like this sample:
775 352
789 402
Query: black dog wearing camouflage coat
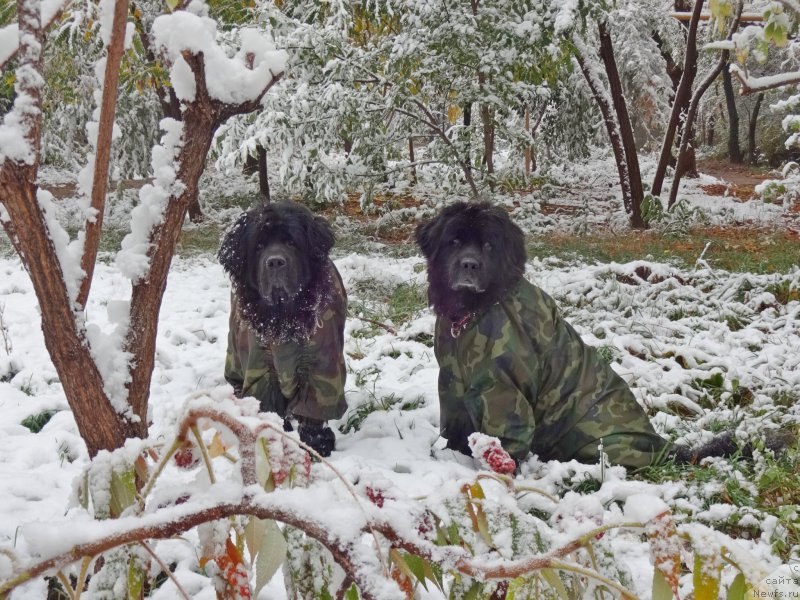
288 308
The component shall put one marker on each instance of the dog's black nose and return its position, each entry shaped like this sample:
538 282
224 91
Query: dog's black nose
275 262
470 264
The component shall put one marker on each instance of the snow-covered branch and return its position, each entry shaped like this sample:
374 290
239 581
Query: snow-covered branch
9 35
752 85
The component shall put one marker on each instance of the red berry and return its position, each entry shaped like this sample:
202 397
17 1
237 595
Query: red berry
376 496
499 461
186 457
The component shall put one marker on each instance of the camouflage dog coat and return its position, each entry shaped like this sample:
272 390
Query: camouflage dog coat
302 378
521 373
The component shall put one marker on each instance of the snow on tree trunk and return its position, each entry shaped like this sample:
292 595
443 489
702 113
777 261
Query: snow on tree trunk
106 377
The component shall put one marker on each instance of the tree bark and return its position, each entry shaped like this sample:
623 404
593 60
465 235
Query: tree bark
98 422
412 160
170 104
734 150
688 125
634 207
263 175
487 123
201 119
612 129
751 131
108 108
682 98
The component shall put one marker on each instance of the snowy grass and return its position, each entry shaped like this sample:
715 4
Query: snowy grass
703 349
706 345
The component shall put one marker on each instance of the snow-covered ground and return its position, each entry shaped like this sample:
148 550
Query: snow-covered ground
703 350
665 328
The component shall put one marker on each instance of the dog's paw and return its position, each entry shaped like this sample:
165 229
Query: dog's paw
317 435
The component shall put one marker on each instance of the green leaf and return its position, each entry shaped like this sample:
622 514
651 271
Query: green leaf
172 4
706 579
271 554
473 592
352 593
263 470
434 573
83 491
123 491
416 565
554 581
661 589
253 535
738 588
136 579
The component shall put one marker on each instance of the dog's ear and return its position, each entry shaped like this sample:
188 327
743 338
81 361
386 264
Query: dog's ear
428 235
320 236
235 247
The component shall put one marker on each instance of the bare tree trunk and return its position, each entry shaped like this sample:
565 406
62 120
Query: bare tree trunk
101 424
528 150
487 122
201 119
712 123
170 105
734 150
611 127
688 125
634 207
412 160
682 96
263 175
751 131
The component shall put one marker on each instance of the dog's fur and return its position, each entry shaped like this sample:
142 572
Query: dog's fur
278 303
471 265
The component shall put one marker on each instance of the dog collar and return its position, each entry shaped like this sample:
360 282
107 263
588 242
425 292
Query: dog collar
458 327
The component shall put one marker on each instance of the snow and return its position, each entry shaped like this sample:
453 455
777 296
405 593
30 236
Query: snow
392 451
666 327
133 260
9 35
231 79
644 507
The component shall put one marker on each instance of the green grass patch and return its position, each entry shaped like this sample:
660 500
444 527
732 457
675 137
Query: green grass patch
37 422
360 413
736 249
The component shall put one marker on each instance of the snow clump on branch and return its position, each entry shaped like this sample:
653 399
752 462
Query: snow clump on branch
233 80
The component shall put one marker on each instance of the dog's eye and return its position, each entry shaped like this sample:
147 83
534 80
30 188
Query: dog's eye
487 247
455 242
290 243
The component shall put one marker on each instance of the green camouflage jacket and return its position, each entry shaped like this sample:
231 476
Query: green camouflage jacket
305 379
521 373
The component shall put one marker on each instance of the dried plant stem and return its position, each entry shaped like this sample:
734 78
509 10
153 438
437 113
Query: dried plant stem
204 453
66 585
4 330
87 560
166 570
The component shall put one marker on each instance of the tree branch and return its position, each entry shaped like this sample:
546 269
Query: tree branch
44 25
681 95
108 108
752 85
688 122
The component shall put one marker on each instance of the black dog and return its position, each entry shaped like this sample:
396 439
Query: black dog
511 367
288 307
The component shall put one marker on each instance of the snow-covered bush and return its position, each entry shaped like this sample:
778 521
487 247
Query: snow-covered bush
230 474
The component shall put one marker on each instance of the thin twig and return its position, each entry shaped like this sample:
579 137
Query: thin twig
166 570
